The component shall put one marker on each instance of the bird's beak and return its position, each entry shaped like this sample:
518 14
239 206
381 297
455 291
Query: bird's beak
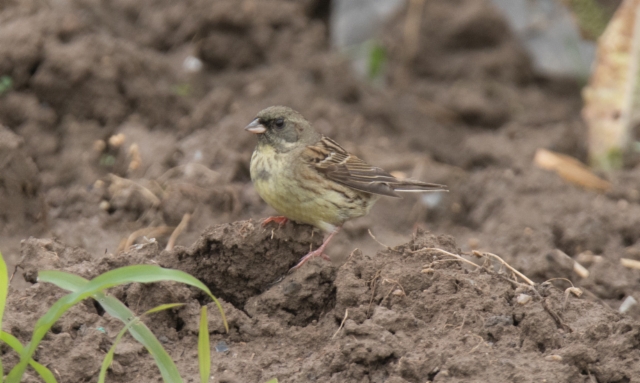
255 127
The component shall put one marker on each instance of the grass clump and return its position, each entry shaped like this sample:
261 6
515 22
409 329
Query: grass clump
81 289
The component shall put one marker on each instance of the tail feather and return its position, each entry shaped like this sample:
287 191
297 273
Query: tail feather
417 187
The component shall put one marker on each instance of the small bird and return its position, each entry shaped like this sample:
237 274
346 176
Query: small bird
309 178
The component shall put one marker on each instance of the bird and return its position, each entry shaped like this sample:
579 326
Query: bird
309 178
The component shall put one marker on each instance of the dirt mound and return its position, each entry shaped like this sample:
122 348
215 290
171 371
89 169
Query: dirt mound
238 252
406 314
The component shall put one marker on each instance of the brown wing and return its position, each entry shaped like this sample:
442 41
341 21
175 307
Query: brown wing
330 159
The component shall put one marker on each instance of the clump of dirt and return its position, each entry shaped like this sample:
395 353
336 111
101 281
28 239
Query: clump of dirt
407 314
239 252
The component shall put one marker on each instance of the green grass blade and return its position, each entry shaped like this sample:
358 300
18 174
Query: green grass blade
274 380
4 289
15 344
204 348
141 274
142 334
106 362
108 359
117 309
62 279
123 275
166 306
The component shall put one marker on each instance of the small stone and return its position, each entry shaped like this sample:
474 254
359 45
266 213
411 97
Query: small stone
116 140
222 346
523 299
104 205
627 304
192 64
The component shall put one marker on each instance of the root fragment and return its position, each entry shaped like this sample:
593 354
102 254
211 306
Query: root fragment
119 184
380 243
630 263
346 315
178 230
505 264
458 257
146 232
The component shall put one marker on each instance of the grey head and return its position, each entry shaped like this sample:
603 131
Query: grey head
282 128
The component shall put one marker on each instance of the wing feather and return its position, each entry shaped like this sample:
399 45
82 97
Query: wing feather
331 160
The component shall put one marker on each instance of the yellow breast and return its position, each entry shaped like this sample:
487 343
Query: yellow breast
304 196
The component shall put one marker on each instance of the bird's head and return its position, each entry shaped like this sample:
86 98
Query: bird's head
283 128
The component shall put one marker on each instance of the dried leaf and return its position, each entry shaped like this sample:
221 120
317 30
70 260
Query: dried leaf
570 169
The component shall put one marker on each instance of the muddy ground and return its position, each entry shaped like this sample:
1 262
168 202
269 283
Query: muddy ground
106 134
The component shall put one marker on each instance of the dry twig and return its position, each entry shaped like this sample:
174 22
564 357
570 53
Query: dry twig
147 231
380 243
630 263
178 230
372 286
394 284
505 264
119 183
479 343
346 315
458 257
559 322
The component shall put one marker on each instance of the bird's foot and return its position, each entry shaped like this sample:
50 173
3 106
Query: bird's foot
279 219
319 252
315 253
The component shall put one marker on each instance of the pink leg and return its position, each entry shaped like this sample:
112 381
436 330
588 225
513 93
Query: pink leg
317 252
279 219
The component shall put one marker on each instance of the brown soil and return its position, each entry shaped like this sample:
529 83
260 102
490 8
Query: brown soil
465 110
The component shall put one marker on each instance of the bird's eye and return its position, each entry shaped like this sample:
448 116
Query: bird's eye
279 122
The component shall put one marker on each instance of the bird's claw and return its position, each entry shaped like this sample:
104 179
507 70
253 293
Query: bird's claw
280 220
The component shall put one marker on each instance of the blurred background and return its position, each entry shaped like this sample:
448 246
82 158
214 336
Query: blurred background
121 119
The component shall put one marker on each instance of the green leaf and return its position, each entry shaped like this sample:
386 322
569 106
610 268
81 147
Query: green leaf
117 309
166 306
123 275
106 362
182 90
148 274
15 344
142 334
204 348
108 359
377 60
274 380
6 82
62 279
4 289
